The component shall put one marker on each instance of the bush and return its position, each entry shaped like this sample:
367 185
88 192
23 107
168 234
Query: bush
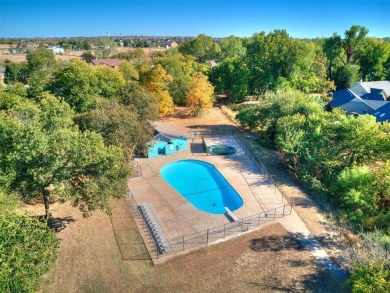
370 265
27 248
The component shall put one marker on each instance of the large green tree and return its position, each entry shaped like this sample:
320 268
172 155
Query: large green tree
15 72
203 48
372 58
120 125
41 65
270 57
231 77
354 39
232 47
46 156
77 84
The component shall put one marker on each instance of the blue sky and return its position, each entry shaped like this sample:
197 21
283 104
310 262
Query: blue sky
217 18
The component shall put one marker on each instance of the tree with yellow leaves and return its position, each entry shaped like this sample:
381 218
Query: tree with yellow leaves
156 81
200 95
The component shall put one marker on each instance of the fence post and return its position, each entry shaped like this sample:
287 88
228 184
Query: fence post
224 231
274 212
258 224
183 243
207 237
284 206
242 223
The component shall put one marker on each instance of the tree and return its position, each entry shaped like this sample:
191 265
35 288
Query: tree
180 68
15 72
119 125
231 77
372 57
144 102
156 80
309 70
77 83
106 47
129 71
109 81
332 48
47 157
41 65
354 39
232 47
199 97
202 47
88 56
270 57
345 76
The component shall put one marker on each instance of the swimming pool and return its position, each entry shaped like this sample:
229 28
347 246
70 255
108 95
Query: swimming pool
202 185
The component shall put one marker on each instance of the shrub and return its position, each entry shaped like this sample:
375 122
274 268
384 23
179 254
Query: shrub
27 248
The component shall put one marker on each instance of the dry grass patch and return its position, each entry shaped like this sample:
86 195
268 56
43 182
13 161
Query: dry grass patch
268 260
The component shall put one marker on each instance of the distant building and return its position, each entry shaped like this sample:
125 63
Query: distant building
113 63
15 50
57 50
167 44
365 98
25 46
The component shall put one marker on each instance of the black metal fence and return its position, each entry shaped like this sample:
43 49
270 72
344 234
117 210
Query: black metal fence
220 233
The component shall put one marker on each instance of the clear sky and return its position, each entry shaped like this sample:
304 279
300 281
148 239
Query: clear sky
216 18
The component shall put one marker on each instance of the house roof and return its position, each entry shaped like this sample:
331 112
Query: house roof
342 97
374 104
169 130
371 89
108 62
163 137
383 113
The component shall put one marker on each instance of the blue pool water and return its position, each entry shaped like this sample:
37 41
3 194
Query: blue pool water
202 185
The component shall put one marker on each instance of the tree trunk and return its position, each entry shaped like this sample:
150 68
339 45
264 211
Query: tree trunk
46 200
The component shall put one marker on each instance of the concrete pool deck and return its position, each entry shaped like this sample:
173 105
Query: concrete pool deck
178 216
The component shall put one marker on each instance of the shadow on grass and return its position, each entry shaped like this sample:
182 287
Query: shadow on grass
58 224
275 243
323 278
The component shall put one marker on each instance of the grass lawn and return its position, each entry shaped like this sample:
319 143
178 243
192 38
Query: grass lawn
268 260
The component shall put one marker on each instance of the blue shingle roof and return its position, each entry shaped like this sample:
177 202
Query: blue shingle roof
383 113
342 97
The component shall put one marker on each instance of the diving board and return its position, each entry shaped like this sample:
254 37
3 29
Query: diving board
230 213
